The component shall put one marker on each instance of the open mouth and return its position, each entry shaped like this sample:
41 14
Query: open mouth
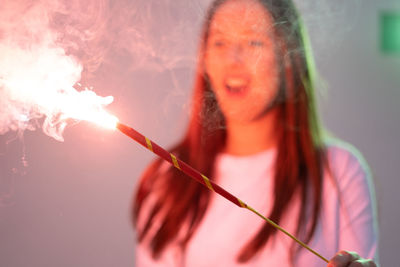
236 86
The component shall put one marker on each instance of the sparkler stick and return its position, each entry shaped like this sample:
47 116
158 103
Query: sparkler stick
187 169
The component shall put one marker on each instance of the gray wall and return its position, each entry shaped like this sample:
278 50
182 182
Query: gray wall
68 203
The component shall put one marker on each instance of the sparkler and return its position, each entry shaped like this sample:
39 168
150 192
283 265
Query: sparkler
59 101
86 105
199 177
36 80
62 104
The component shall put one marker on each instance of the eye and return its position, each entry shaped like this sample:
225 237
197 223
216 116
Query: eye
218 43
256 43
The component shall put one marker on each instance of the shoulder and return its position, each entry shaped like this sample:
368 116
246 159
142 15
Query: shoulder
348 168
344 158
341 152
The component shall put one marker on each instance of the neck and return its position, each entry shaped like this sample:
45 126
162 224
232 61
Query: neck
246 138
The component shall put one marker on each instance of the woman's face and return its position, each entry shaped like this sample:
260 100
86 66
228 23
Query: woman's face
240 60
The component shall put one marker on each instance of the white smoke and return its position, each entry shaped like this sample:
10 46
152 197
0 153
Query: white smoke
37 77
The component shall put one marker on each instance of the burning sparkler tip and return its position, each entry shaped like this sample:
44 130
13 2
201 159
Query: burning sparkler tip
112 122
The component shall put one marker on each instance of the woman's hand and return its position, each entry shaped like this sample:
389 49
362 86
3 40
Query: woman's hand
349 259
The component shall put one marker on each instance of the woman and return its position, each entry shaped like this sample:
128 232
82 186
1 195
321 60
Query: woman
254 131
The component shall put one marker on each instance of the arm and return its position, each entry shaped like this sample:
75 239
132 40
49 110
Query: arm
358 223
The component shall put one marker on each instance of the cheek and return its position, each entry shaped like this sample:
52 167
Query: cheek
214 70
212 66
262 62
265 71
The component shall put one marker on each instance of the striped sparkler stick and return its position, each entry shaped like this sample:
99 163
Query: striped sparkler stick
199 177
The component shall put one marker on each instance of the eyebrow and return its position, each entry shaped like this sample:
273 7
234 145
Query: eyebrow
216 31
212 31
246 33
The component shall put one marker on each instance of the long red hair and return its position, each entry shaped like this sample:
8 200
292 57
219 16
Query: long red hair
300 153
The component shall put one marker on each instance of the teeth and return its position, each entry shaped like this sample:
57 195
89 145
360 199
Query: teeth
235 82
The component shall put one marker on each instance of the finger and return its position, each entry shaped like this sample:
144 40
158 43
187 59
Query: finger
343 259
362 263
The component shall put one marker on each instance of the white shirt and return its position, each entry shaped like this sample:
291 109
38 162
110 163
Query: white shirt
347 219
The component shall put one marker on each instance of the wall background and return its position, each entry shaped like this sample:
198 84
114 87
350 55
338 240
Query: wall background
68 204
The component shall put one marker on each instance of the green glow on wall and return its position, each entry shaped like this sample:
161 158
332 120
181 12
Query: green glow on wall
390 31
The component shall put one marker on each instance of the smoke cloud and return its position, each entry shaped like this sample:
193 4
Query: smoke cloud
37 76
48 46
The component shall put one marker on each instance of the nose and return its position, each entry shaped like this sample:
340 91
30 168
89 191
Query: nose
236 54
